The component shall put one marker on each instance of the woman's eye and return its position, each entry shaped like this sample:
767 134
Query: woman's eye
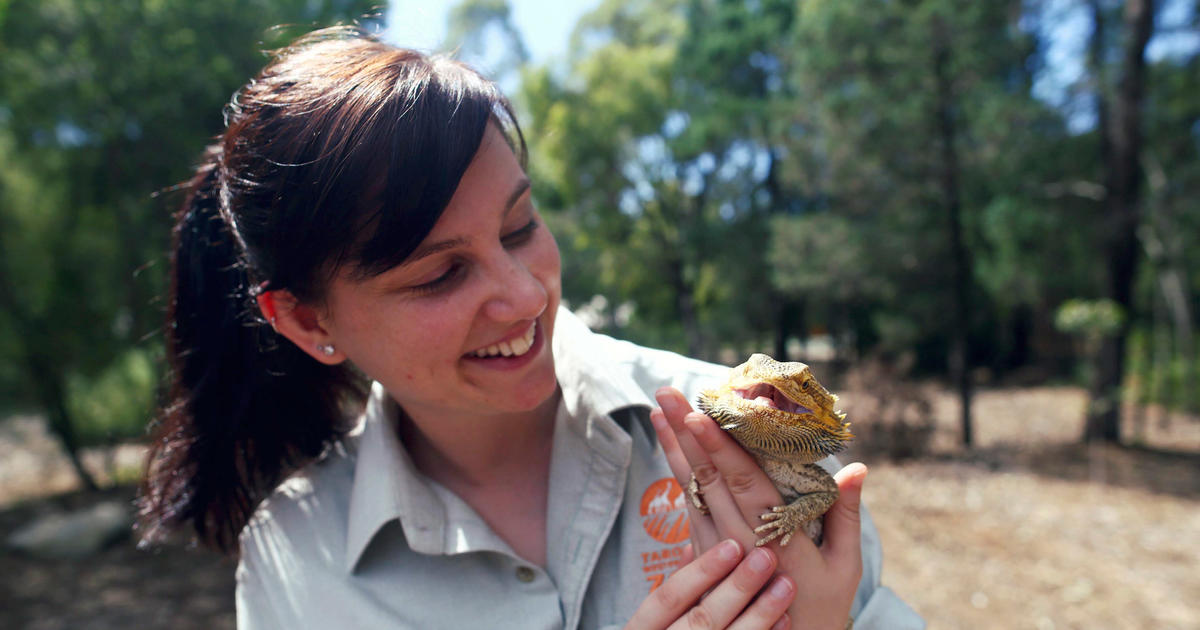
520 236
445 281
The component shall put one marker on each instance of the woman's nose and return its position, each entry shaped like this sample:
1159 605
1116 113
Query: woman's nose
518 293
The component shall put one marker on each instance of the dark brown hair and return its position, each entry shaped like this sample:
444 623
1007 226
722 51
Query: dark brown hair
341 154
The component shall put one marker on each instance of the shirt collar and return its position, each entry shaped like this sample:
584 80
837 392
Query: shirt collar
387 485
589 370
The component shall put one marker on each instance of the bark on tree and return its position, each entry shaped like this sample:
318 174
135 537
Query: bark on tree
1121 144
52 393
960 262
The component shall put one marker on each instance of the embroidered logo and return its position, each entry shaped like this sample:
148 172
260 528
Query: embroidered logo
665 518
664 514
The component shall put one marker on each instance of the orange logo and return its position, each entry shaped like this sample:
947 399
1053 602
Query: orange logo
664 514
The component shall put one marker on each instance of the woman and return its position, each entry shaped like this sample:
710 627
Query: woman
366 218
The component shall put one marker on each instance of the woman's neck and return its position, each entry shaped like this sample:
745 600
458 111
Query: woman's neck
499 465
476 450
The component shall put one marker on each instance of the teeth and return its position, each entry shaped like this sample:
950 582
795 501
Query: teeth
511 348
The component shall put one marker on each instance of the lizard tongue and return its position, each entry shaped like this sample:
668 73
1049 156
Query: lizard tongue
766 401
779 401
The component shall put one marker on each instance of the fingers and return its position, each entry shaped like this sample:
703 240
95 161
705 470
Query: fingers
704 533
729 604
843 524
736 595
734 486
670 444
726 488
684 588
750 489
675 407
771 605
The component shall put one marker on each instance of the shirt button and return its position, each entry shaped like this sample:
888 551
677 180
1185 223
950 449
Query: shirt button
525 574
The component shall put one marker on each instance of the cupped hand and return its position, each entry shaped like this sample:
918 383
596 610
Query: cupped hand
720 589
737 492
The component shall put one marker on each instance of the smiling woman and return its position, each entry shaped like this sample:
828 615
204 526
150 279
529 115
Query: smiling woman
378 405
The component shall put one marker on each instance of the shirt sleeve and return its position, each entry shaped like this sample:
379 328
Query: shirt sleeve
875 606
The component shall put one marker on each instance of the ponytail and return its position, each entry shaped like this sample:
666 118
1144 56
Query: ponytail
245 407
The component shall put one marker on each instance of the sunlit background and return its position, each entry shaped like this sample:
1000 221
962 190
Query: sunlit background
925 200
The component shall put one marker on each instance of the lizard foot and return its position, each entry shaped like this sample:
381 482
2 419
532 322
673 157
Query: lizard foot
696 496
784 520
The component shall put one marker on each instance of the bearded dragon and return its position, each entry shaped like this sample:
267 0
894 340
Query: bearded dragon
783 417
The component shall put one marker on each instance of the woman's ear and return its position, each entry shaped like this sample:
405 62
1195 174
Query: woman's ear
300 323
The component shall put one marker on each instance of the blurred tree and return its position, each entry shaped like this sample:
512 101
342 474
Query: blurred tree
661 147
1170 231
1120 123
921 113
101 105
605 156
736 106
473 24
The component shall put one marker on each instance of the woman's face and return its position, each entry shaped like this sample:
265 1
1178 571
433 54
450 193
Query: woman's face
464 325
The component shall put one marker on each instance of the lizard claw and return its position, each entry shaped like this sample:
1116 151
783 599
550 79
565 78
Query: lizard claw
697 497
783 521
779 530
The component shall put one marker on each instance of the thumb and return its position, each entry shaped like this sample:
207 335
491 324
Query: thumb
842 523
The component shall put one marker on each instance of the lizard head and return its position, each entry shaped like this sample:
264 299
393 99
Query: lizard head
778 410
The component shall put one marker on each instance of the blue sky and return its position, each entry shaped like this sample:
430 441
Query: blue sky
545 24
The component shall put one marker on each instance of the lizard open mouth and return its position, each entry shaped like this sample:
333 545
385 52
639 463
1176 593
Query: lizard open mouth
768 396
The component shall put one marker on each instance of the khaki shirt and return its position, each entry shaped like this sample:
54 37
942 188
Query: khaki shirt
361 539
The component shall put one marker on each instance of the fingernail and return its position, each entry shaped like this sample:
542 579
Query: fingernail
781 588
729 550
760 560
694 426
784 623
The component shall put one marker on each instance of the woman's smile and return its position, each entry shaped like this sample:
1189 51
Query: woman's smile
511 345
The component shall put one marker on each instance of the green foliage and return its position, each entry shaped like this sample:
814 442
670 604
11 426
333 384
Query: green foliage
113 406
742 170
1089 319
102 105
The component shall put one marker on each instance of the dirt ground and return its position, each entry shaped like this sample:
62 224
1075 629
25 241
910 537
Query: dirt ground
1029 530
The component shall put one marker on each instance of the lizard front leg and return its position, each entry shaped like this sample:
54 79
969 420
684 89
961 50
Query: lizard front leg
809 491
804 512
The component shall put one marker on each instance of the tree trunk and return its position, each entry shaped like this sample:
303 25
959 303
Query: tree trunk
687 310
48 380
960 262
53 396
789 322
1121 147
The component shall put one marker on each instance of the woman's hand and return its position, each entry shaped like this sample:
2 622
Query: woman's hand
737 492
717 591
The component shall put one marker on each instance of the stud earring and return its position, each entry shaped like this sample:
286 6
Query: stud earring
326 349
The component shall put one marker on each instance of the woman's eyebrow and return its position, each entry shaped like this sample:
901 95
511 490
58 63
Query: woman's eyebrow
430 249
522 186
